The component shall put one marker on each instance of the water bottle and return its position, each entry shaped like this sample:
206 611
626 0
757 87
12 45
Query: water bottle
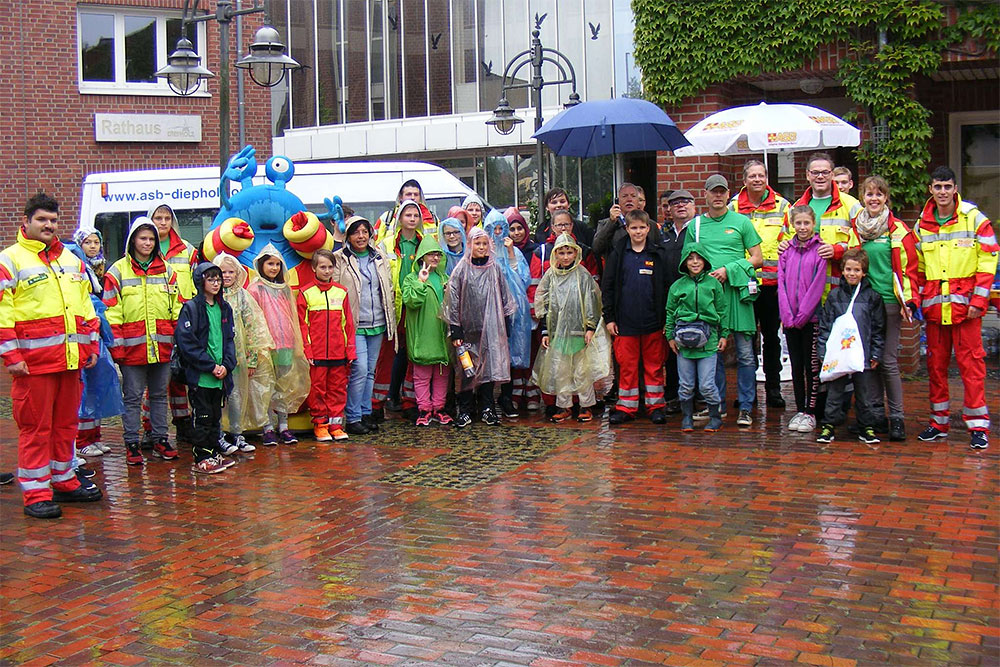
465 359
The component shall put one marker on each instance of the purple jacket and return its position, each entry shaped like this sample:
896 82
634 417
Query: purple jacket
801 279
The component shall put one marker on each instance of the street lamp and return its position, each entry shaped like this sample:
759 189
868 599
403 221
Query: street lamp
505 120
267 62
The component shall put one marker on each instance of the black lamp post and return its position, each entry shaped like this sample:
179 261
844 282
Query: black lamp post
505 120
267 62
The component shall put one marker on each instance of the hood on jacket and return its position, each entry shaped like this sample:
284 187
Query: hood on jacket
695 249
173 216
473 199
270 251
456 224
81 235
815 239
429 244
496 226
460 214
565 240
198 276
474 234
140 223
352 223
223 260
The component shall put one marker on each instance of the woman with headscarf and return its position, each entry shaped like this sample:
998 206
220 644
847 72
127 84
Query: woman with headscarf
477 306
515 271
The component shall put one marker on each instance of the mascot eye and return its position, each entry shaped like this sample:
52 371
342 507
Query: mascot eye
279 164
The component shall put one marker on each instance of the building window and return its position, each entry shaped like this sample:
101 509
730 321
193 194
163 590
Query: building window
974 154
120 50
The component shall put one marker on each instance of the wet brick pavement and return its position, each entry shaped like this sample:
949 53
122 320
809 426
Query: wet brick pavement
551 545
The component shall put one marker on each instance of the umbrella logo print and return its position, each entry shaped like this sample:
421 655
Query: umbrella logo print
825 120
774 138
723 125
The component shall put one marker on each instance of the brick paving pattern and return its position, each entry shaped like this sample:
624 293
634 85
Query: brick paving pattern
553 545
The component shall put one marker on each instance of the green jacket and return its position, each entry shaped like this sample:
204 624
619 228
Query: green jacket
699 297
426 332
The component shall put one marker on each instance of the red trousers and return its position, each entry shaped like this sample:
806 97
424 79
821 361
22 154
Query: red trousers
45 408
383 374
88 432
633 353
967 340
328 393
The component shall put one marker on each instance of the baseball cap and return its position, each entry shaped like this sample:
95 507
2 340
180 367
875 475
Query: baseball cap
716 181
679 194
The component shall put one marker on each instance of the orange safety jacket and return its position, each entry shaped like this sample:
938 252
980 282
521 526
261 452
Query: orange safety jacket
143 306
956 262
768 219
326 322
46 317
834 227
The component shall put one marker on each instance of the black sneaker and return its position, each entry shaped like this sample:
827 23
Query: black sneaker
147 440
744 419
507 409
658 416
6 478
619 417
897 430
866 434
462 420
78 495
931 434
489 417
825 434
43 509
978 440
371 421
356 428
84 471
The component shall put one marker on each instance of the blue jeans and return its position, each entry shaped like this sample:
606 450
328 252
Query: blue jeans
746 372
362 381
700 372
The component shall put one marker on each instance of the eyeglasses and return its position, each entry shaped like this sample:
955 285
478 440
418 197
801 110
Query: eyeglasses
817 172
681 202
213 279
452 232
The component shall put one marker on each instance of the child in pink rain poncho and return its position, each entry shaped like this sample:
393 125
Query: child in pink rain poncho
478 307
291 370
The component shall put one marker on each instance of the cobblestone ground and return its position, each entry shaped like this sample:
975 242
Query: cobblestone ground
531 545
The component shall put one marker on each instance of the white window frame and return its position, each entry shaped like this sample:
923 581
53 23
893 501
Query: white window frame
120 86
955 122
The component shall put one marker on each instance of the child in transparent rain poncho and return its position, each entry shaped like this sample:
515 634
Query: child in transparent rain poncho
253 377
518 276
575 347
477 305
291 370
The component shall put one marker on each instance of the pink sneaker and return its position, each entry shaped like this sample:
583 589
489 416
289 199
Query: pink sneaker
443 417
424 419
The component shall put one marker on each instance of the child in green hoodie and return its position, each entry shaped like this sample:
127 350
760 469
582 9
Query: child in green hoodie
695 327
426 331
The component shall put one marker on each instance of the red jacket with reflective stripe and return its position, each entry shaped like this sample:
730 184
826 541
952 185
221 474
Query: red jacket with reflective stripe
326 322
46 317
956 262
143 306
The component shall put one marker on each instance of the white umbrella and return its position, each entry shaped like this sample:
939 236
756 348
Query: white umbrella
768 128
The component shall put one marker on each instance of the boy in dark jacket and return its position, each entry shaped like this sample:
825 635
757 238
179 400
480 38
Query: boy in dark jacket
634 292
206 346
869 311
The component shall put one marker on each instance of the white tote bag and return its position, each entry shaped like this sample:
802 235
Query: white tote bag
845 353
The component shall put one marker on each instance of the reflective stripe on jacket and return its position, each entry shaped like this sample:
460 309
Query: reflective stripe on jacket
143 307
46 317
326 322
768 219
182 258
956 262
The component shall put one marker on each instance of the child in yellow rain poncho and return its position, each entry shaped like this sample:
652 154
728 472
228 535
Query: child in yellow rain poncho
253 378
291 370
576 351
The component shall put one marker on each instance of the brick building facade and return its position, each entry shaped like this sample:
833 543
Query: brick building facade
47 139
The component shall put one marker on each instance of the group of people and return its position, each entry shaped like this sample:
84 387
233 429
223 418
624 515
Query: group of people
478 316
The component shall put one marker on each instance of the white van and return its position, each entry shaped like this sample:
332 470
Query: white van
110 201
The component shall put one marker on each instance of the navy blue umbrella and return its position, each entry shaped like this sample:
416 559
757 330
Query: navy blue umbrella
605 127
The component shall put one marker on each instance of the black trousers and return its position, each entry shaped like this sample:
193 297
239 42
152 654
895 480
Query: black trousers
765 309
206 407
467 398
805 366
835 411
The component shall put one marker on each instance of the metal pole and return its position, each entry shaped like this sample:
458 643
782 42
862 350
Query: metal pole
536 86
241 112
223 19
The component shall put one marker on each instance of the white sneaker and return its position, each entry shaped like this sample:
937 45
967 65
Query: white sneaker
243 445
534 406
91 450
105 447
226 446
807 424
796 421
